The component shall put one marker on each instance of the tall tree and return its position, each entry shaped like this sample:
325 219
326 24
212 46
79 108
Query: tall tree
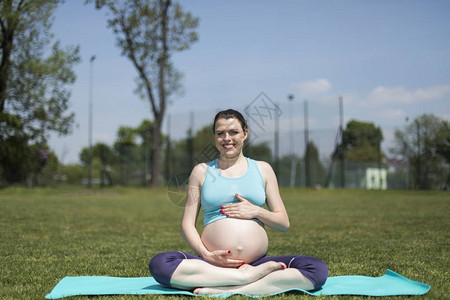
125 145
148 32
424 143
443 141
144 131
314 170
35 72
105 156
362 142
443 147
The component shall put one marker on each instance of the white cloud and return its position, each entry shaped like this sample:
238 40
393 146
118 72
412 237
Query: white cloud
313 87
381 95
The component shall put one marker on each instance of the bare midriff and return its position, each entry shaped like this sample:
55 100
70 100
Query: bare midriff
247 239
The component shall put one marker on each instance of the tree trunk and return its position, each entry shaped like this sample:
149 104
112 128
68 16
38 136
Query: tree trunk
447 183
155 157
6 48
159 115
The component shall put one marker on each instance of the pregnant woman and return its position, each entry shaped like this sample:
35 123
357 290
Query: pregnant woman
231 250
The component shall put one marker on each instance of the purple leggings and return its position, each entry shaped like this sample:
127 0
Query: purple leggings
164 264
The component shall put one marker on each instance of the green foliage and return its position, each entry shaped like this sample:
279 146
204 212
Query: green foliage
103 158
314 170
14 151
35 72
48 234
198 148
149 33
362 142
127 161
286 164
306 171
126 136
49 172
144 131
424 144
259 151
442 141
68 174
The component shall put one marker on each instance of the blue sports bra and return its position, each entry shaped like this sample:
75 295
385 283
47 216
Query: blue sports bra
220 190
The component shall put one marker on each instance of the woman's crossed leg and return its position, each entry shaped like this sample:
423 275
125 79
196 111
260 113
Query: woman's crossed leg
265 276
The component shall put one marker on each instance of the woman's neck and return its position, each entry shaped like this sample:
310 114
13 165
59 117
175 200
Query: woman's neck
227 162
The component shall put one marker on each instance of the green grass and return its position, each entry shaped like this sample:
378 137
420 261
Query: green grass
47 234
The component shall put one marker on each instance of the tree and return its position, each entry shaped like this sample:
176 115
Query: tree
125 145
148 33
104 157
198 148
193 150
285 165
443 147
443 141
35 73
362 142
260 151
315 172
424 143
144 131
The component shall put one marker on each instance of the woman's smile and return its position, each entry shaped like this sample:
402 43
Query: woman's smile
228 146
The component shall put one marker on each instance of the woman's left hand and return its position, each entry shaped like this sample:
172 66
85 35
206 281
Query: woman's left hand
242 210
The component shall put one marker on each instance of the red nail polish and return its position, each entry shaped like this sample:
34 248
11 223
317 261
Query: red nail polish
229 251
227 216
221 207
221 211
243 263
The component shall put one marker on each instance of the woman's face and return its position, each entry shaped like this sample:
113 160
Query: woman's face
229 136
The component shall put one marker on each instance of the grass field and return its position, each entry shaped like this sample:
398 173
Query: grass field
47 234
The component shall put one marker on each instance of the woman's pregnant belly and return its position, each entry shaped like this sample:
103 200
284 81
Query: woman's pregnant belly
246 239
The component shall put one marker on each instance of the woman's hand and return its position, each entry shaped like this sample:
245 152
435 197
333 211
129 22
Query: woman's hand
222 258
242 210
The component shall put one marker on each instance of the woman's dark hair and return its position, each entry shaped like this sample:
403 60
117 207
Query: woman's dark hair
228 114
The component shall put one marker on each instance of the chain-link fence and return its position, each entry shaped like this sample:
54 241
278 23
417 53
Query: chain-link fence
302 154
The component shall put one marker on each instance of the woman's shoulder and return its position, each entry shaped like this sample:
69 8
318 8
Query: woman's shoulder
261 163
200 168
198 173
264 167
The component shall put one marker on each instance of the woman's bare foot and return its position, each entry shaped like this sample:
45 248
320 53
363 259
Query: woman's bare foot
214 290
252 273
257 272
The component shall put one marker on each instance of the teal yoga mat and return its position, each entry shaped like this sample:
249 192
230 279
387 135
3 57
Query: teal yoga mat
390 284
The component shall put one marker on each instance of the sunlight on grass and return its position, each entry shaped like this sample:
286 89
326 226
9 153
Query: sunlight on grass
47 234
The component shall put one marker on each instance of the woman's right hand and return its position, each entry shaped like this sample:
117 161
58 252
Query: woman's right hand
222 258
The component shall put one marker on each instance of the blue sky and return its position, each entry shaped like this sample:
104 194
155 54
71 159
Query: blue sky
389 60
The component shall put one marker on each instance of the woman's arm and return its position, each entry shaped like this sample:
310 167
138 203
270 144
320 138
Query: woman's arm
275 217
188 229
191 210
